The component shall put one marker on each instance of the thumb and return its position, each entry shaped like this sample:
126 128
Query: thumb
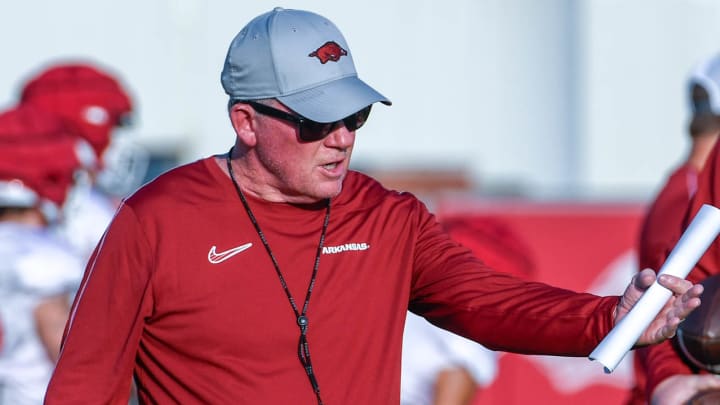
644 278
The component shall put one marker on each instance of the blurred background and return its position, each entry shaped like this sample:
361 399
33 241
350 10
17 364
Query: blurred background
558 99
562 118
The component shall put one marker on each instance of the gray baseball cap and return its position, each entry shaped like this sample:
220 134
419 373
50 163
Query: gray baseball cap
301 59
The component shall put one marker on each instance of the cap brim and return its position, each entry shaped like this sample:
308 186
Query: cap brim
333 101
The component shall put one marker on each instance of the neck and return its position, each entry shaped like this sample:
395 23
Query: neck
242 175
700 150
254 182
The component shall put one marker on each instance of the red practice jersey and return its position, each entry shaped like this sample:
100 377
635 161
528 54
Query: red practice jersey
664 360
181 293
665 218
662 227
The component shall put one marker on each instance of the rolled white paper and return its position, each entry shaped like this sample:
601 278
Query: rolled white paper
698 236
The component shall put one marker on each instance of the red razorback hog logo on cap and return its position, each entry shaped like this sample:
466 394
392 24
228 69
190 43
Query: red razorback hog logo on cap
330 51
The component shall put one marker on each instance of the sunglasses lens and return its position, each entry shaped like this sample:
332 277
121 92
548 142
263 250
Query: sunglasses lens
311 131
357 120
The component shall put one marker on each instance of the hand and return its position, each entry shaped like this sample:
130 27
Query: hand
686 297
678 389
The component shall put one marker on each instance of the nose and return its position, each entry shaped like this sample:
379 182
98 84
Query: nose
340 138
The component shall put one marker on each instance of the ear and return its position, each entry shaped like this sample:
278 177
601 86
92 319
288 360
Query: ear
242 119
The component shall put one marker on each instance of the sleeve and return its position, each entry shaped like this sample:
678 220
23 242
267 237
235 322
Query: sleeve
662 361
107 319
456 291
663 222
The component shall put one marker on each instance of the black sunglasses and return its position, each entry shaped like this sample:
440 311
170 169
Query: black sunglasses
309 130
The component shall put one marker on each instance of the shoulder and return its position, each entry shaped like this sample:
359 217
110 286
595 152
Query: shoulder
186 183
364 195
180 175
361 189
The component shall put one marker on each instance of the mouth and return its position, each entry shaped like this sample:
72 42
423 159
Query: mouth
335 168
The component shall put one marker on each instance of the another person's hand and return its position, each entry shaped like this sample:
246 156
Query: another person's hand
685 298
678 389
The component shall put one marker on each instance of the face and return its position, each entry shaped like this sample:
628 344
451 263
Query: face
297 171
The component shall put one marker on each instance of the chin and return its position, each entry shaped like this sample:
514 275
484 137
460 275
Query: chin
328 192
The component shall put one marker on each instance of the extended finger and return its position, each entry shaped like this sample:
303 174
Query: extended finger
677 285
694 292
669 330
684 305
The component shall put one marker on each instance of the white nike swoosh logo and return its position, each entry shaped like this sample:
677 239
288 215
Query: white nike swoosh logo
215 258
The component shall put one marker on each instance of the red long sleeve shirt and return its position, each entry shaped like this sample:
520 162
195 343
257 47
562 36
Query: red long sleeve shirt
662 227
663 361
158 302
664 221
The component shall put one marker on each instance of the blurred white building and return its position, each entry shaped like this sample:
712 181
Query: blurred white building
552 98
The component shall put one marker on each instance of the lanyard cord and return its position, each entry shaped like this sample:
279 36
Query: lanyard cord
302 320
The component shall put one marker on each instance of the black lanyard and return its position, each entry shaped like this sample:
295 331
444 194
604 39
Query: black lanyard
302 320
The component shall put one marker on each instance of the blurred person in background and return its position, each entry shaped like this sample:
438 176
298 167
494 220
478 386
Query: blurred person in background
39 272
440 367
201 287
96 105
663 226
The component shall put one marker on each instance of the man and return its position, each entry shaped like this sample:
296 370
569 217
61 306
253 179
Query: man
663 221
662 226
38 274
669 379
95 104
273 274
